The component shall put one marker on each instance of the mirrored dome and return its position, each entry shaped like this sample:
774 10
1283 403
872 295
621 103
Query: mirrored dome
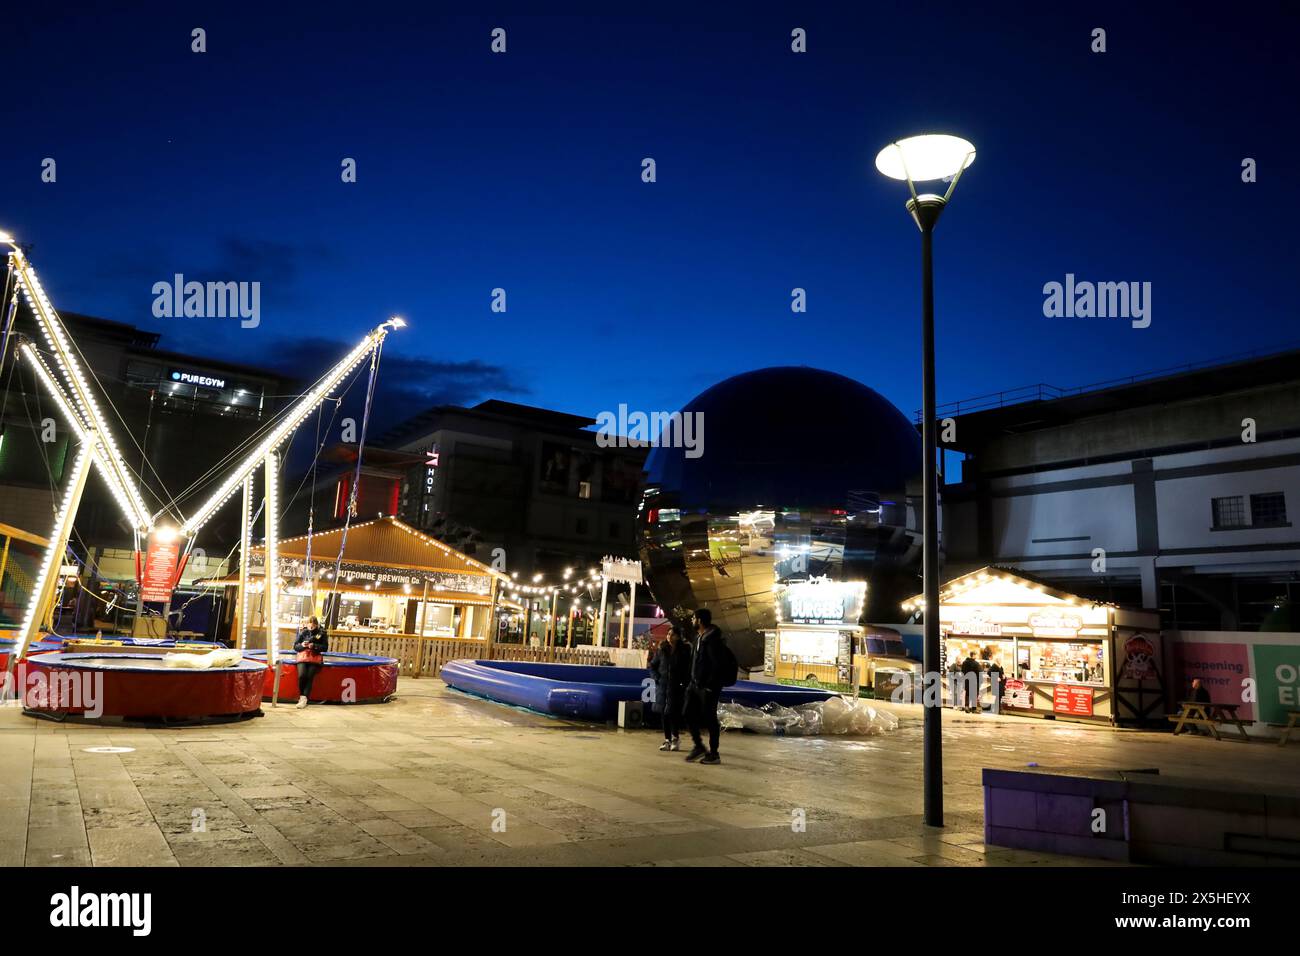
801 475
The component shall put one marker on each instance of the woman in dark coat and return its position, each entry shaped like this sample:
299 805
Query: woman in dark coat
311 645
671 668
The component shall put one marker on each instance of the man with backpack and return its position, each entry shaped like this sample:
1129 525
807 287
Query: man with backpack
713 667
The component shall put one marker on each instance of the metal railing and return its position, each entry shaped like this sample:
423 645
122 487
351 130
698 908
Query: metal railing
1042 392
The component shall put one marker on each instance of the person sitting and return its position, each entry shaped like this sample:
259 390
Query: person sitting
1199 692
311 645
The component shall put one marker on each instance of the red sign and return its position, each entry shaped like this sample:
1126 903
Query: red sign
159 575
1016 693
1068 699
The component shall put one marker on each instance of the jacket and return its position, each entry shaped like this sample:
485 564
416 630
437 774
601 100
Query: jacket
672 672
308 640
969 666
706 670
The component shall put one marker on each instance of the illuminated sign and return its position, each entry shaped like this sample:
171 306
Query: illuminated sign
193 378
1049 624
821 601
977 625
431 460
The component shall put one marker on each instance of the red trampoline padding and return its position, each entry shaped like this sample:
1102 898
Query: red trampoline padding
132 686
345 679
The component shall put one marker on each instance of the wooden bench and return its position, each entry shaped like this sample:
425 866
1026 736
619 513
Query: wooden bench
1211 716
1291 717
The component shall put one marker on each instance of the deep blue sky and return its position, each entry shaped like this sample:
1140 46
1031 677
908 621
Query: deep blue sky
523 171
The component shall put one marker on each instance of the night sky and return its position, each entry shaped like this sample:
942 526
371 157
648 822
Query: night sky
523 171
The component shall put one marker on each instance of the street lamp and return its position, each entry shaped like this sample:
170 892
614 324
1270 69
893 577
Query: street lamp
925 159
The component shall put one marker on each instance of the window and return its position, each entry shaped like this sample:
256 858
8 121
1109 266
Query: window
1229 512
580 526
584 489
1268 509
615 531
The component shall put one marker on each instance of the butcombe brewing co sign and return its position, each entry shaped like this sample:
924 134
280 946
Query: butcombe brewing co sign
362 574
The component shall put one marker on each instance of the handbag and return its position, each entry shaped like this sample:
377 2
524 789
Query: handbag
309 655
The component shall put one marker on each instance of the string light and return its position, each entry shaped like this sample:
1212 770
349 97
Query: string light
298 414
53 554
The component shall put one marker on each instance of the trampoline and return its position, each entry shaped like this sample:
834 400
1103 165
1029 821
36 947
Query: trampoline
138 686
7 645
592 692
373 679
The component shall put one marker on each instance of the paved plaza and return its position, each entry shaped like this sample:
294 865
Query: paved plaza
436 778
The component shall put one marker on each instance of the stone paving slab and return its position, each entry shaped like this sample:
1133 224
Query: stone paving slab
429 779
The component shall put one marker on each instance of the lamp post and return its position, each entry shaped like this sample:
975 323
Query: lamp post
924 159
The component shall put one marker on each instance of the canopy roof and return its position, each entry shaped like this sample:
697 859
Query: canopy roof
995 585
385 542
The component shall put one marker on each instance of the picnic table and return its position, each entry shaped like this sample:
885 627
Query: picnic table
1292 716
1211 716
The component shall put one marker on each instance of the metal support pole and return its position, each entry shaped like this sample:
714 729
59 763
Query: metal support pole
925 210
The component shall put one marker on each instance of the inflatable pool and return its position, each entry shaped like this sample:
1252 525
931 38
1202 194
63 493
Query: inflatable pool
139 686
345 678
591 692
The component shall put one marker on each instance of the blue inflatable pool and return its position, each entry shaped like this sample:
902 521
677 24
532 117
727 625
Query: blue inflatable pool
590 692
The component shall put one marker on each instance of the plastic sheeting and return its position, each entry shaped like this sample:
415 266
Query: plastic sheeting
835 716
226 657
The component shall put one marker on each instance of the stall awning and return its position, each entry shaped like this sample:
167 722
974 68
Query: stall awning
385 542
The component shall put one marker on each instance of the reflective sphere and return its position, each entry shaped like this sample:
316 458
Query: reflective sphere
801 474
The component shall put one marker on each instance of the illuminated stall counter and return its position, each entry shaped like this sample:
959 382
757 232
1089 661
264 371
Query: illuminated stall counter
1062 656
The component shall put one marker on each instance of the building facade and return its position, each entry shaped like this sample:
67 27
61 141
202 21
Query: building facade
1175 492
522 489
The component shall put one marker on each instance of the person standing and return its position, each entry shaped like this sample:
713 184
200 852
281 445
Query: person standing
997 677
705 688
671 667
970 679
311 644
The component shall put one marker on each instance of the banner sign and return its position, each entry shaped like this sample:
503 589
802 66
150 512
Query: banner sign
159 573
621 569
1016 693
1068 699
1277 671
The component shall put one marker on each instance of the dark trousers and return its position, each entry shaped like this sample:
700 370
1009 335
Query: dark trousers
306 677
672 724
701 713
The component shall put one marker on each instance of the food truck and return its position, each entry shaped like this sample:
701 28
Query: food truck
817 625
1062 656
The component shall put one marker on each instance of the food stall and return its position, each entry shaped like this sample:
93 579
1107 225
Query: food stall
1062 656
817 625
